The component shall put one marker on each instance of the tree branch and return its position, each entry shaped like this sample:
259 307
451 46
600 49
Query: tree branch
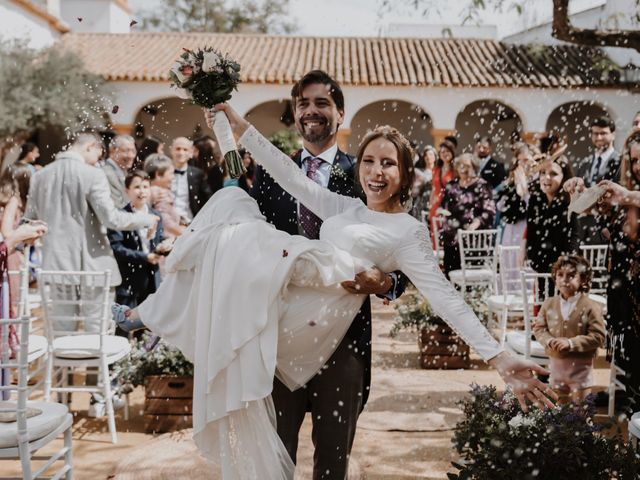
563 30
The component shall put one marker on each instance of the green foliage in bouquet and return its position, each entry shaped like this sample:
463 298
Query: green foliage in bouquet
415 313
286 140
163 359
207 75
497 440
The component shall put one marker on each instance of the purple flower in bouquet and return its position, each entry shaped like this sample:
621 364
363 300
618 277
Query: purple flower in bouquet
207 78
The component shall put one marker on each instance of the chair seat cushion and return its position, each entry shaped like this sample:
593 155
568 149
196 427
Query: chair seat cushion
470 276
517 341
88 346
37 347
52 416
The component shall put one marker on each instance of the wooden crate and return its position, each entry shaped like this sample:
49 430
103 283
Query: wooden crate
441 348
168 403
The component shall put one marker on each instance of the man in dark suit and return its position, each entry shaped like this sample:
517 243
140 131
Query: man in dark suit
189 184
491 170
602 164
337 394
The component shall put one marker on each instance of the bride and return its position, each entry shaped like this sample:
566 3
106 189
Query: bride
245 301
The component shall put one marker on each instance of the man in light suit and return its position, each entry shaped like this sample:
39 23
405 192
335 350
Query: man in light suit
72 196
122 153
602 164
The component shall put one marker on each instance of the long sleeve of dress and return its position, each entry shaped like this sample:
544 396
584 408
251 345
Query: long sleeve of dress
286 173
416 260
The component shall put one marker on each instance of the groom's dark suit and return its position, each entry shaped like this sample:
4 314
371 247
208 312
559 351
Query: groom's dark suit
337 394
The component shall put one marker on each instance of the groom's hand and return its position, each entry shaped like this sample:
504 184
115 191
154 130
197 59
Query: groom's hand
370 282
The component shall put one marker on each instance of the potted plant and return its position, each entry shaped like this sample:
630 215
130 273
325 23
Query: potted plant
495 439
168 380
439 345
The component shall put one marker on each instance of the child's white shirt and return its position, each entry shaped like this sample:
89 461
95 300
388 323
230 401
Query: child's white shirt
567 306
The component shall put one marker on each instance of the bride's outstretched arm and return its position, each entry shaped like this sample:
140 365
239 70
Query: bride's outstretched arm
415 258
284 171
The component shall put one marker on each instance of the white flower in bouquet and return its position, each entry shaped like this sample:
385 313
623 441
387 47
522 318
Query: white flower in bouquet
183 93
211 63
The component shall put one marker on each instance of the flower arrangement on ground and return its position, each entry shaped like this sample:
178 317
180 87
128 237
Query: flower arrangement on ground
440 346
415 313
497 440
145 361
207 78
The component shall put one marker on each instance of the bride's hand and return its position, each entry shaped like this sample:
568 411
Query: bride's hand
517 373
238 124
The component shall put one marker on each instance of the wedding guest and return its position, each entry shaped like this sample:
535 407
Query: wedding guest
189 187
14 188
602 164
29 153
491 170
421 191
122 153
514 196
469 204
135 251
149 145
24 234
72 196
571 328
442 173
208 159
551 231
620 211
161 173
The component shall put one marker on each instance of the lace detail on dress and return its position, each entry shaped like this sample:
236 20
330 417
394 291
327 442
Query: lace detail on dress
424 245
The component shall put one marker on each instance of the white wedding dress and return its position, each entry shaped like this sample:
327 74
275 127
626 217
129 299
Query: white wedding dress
245 301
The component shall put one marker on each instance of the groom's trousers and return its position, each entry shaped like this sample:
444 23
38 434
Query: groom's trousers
334 398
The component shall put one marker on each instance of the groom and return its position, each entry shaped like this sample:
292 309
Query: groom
337 394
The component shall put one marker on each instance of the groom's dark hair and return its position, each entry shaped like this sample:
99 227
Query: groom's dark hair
322 77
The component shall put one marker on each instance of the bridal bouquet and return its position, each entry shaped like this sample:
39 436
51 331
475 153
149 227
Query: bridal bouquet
207 78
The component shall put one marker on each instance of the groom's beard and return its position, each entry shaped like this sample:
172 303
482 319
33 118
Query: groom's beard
317 134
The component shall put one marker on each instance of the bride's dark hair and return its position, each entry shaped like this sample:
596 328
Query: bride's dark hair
405 159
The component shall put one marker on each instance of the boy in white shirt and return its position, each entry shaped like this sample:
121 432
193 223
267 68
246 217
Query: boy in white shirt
571 328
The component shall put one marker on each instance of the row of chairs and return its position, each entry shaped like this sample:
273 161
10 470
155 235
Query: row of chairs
517 292
76 333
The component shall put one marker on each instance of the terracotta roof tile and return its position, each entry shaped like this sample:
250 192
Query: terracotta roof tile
352 61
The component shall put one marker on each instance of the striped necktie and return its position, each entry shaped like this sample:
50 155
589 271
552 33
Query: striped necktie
308 220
